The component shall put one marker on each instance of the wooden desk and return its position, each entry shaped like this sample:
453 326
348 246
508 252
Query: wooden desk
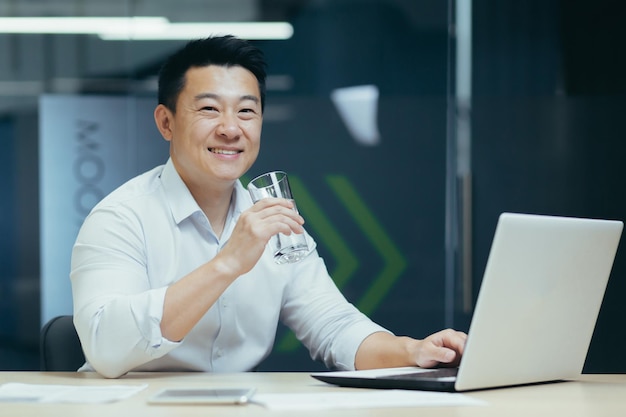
592 395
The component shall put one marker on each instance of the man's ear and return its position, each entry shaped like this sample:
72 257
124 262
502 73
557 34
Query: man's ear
164 118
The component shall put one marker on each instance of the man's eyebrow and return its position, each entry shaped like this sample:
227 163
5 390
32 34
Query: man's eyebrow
216 97
205 95
250 97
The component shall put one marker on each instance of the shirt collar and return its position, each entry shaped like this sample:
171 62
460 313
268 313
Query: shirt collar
183 205
241 200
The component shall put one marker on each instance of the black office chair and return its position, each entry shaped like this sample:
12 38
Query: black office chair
59 346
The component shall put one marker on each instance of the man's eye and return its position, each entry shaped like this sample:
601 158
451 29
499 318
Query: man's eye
208 108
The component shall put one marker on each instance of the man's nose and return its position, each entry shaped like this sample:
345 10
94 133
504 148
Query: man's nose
229 126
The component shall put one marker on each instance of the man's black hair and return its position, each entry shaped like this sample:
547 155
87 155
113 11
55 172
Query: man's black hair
216 50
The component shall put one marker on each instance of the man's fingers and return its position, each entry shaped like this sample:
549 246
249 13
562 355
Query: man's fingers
443 347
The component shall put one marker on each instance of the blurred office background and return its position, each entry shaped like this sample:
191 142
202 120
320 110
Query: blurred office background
408 125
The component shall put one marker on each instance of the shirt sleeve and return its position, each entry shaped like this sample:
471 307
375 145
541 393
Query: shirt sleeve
116 312
321 317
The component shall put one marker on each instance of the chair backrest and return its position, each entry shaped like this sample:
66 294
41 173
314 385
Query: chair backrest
59 346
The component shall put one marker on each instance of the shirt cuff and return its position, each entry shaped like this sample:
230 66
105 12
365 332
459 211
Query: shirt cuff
148 318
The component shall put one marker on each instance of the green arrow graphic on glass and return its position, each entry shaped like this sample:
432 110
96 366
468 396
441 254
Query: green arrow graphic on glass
395 264
347 263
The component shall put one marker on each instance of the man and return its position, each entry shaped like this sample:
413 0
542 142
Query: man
170 272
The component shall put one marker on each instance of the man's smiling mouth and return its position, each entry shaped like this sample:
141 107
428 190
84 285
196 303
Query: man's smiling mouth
223 151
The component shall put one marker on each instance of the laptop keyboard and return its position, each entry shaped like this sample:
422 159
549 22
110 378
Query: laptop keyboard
435 373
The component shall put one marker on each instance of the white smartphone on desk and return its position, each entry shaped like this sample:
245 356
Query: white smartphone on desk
202 396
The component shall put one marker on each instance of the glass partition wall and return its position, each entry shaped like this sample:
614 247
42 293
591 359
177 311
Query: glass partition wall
406 125
357 114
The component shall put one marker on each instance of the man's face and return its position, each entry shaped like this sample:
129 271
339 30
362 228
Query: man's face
215 134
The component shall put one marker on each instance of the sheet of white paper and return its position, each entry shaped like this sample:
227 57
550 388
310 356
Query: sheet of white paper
34 393
374 373
362 399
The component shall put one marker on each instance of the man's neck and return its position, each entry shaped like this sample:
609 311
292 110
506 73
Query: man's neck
214 201
216 206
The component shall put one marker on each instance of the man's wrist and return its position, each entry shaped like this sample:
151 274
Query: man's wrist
412 348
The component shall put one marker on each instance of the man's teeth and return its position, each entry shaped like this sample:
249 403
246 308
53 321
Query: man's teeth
223 151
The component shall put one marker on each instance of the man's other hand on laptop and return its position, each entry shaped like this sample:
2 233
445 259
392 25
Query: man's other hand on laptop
442 348
384 350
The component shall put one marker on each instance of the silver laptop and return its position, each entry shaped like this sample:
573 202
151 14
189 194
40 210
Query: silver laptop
536 310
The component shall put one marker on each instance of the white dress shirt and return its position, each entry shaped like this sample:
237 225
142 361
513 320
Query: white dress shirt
149 233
